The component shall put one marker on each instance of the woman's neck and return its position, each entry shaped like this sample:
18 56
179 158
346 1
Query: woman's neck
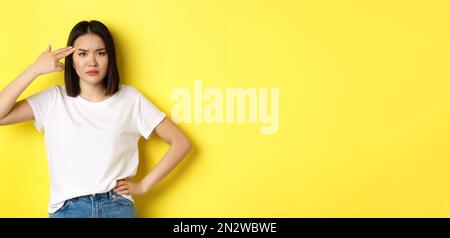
93 92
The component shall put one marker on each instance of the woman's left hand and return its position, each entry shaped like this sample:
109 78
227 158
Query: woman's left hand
127 187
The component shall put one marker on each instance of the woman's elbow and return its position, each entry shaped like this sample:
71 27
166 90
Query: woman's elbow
186 145
182 144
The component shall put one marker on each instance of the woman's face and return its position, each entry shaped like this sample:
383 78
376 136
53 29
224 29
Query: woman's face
90 58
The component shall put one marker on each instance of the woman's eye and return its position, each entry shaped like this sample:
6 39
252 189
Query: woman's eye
82 54
102 53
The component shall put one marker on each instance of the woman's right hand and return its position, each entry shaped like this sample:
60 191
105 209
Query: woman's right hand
48 61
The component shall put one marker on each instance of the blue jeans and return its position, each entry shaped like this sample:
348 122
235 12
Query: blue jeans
102 205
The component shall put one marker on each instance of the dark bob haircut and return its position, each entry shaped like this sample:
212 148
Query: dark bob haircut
71 78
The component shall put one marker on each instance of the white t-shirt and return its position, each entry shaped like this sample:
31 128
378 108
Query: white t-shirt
90 145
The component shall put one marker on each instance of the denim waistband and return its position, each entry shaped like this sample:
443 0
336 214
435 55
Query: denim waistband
109 194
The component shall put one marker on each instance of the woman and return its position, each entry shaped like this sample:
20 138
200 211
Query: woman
92 126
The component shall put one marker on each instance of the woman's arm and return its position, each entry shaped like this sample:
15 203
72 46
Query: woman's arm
179 147
14 112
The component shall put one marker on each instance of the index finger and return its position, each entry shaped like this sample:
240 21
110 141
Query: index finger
62 50
120 183
64 53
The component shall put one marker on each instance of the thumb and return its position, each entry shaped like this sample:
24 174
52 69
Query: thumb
49 48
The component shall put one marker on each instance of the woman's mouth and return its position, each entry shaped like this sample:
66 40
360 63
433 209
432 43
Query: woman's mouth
92 72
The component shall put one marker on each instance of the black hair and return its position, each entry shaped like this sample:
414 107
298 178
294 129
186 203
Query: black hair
71 78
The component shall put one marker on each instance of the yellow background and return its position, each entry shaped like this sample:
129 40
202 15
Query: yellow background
364 103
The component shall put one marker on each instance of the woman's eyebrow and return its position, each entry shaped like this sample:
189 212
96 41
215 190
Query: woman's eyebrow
95 50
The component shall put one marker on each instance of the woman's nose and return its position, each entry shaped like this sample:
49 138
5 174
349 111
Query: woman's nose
92 61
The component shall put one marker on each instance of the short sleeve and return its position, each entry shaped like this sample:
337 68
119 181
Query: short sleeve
148 116
40 104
